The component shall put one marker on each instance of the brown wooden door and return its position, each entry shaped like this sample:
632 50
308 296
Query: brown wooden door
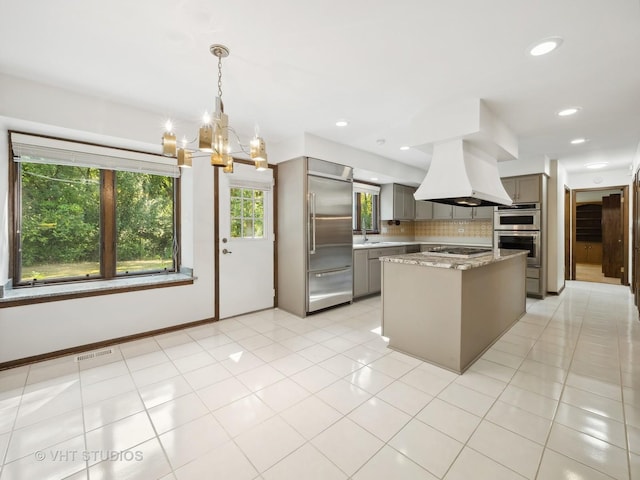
612 255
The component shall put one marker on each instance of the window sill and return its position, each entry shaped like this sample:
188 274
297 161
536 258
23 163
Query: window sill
53 293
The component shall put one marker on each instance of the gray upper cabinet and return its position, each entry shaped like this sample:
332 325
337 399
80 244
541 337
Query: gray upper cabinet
442 211
449 212
483 212
510 186
463 213
523 189
424 210
397 202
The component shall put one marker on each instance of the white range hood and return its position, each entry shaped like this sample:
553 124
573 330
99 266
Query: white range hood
468 140
462 174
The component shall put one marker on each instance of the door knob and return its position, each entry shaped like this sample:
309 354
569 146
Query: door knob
225 251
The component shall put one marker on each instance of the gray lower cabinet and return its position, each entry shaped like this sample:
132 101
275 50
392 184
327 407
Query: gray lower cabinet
367 269
360 272
534 282
375 275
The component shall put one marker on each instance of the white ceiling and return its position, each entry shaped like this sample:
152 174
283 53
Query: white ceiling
298 66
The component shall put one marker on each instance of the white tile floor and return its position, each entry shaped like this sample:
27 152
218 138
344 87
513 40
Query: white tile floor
274 397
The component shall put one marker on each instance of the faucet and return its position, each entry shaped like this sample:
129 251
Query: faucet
364 235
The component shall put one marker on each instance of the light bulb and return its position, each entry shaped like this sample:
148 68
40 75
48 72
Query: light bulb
545 46
168 127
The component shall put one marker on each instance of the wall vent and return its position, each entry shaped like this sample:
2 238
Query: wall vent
97 353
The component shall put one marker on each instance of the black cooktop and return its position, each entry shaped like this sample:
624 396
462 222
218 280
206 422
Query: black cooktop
461 252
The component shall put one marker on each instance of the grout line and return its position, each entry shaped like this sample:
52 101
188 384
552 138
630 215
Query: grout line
356 323
624 409
15 420
568 369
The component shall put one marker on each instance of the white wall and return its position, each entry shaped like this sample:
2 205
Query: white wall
555 227
636 159
599 179
40 328
336 152
313 146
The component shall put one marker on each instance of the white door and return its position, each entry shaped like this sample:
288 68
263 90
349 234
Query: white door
246 240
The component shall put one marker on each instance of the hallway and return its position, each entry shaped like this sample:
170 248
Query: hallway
272 396
588 272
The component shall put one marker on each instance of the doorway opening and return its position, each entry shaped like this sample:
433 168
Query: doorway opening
599 250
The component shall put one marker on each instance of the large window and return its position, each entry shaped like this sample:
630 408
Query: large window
60 222
76 218
144 222
366 208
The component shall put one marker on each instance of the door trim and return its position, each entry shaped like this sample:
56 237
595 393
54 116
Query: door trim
624 278
216 235
567 234
635 260
216 243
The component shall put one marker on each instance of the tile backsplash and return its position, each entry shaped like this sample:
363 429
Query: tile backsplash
454 228
465 231
405 229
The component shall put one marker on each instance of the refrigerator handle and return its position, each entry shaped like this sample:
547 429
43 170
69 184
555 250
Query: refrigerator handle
312 224
340 271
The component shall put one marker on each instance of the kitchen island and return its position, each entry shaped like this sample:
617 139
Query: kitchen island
449 309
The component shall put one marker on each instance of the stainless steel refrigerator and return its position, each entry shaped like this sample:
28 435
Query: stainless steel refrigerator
315 236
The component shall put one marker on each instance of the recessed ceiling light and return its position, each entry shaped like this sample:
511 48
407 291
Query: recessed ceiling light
545 46
596 165
375 179
405 147
342 123
578 141
568 111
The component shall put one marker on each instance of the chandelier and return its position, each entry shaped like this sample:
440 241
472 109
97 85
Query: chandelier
213 136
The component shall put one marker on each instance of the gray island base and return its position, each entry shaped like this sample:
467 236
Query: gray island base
448 311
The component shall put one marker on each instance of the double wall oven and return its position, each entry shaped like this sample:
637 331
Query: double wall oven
517 227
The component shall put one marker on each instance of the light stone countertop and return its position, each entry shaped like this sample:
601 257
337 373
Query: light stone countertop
423 259
93 286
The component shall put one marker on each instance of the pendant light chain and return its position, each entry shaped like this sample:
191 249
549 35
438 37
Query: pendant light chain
220 76
213 136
